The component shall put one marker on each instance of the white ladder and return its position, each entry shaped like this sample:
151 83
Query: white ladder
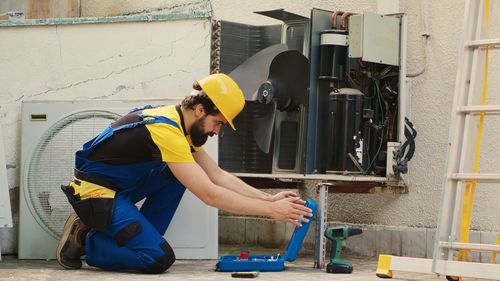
468 113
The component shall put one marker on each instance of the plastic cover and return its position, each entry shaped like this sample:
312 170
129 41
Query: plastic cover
299 234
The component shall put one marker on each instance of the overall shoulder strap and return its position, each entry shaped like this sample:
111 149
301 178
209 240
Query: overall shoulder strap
109 131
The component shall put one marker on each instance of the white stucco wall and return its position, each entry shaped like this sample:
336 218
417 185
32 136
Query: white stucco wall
430 95
119 60
431 98
71 62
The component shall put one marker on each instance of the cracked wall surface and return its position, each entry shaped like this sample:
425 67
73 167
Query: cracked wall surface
123 60
137 72
430 94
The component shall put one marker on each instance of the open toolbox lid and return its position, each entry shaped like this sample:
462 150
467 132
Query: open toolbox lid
299 234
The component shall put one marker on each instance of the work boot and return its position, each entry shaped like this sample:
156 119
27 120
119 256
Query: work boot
71 247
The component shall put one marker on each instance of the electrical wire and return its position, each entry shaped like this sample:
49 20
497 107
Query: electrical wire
426 35
382 125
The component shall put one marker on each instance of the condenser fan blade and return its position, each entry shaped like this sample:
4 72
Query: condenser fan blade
255 70
263 127
289 72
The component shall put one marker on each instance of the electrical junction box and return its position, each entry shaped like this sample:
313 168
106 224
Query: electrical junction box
374 38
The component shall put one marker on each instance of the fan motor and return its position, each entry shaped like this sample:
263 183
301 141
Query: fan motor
266 92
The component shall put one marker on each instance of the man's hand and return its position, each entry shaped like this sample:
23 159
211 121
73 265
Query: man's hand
287 194
289 210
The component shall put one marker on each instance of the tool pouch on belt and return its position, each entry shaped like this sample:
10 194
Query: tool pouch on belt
92 202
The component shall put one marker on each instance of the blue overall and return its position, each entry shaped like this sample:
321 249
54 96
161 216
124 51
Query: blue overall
134 238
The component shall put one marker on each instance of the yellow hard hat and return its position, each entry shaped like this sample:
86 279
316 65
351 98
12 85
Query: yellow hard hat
225 94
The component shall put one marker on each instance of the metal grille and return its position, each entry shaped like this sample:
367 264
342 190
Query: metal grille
232 44
238 151
52 164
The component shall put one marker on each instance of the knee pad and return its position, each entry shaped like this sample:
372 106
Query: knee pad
126 233
162 263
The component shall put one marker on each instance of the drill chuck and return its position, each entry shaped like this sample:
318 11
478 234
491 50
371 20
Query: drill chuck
351 231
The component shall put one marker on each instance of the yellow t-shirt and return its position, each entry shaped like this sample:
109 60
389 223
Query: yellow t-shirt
172 142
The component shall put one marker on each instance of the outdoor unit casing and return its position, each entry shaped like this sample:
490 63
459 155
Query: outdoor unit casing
368 56
288 145
52 131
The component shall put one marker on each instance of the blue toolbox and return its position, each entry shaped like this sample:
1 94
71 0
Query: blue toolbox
246 262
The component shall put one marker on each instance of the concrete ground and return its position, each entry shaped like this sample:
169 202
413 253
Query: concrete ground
364 270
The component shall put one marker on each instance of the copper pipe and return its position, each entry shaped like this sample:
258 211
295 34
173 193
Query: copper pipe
344 23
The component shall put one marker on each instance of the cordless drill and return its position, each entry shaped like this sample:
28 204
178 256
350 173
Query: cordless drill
337 235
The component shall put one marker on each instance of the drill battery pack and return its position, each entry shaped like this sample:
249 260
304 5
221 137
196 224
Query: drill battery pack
246 262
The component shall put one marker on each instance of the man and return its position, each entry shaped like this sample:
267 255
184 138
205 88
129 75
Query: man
155 153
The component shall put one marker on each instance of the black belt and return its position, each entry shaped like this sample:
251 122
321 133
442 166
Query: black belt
84 176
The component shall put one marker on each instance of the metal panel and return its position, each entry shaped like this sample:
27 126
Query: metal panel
381 39
282 15
288 146
404 97
356 36
295 29
320 20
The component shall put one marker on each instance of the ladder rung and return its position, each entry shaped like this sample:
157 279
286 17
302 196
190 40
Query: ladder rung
476 109
494 43
478 177
470 246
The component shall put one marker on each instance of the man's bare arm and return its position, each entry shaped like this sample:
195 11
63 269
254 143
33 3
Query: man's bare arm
225 179
194 178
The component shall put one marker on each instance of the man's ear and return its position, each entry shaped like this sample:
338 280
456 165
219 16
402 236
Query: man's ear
199 110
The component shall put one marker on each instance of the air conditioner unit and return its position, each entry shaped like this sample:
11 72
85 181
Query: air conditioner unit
287 142
52 131
343 111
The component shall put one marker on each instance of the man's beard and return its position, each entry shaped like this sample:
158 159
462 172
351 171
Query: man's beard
198 136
